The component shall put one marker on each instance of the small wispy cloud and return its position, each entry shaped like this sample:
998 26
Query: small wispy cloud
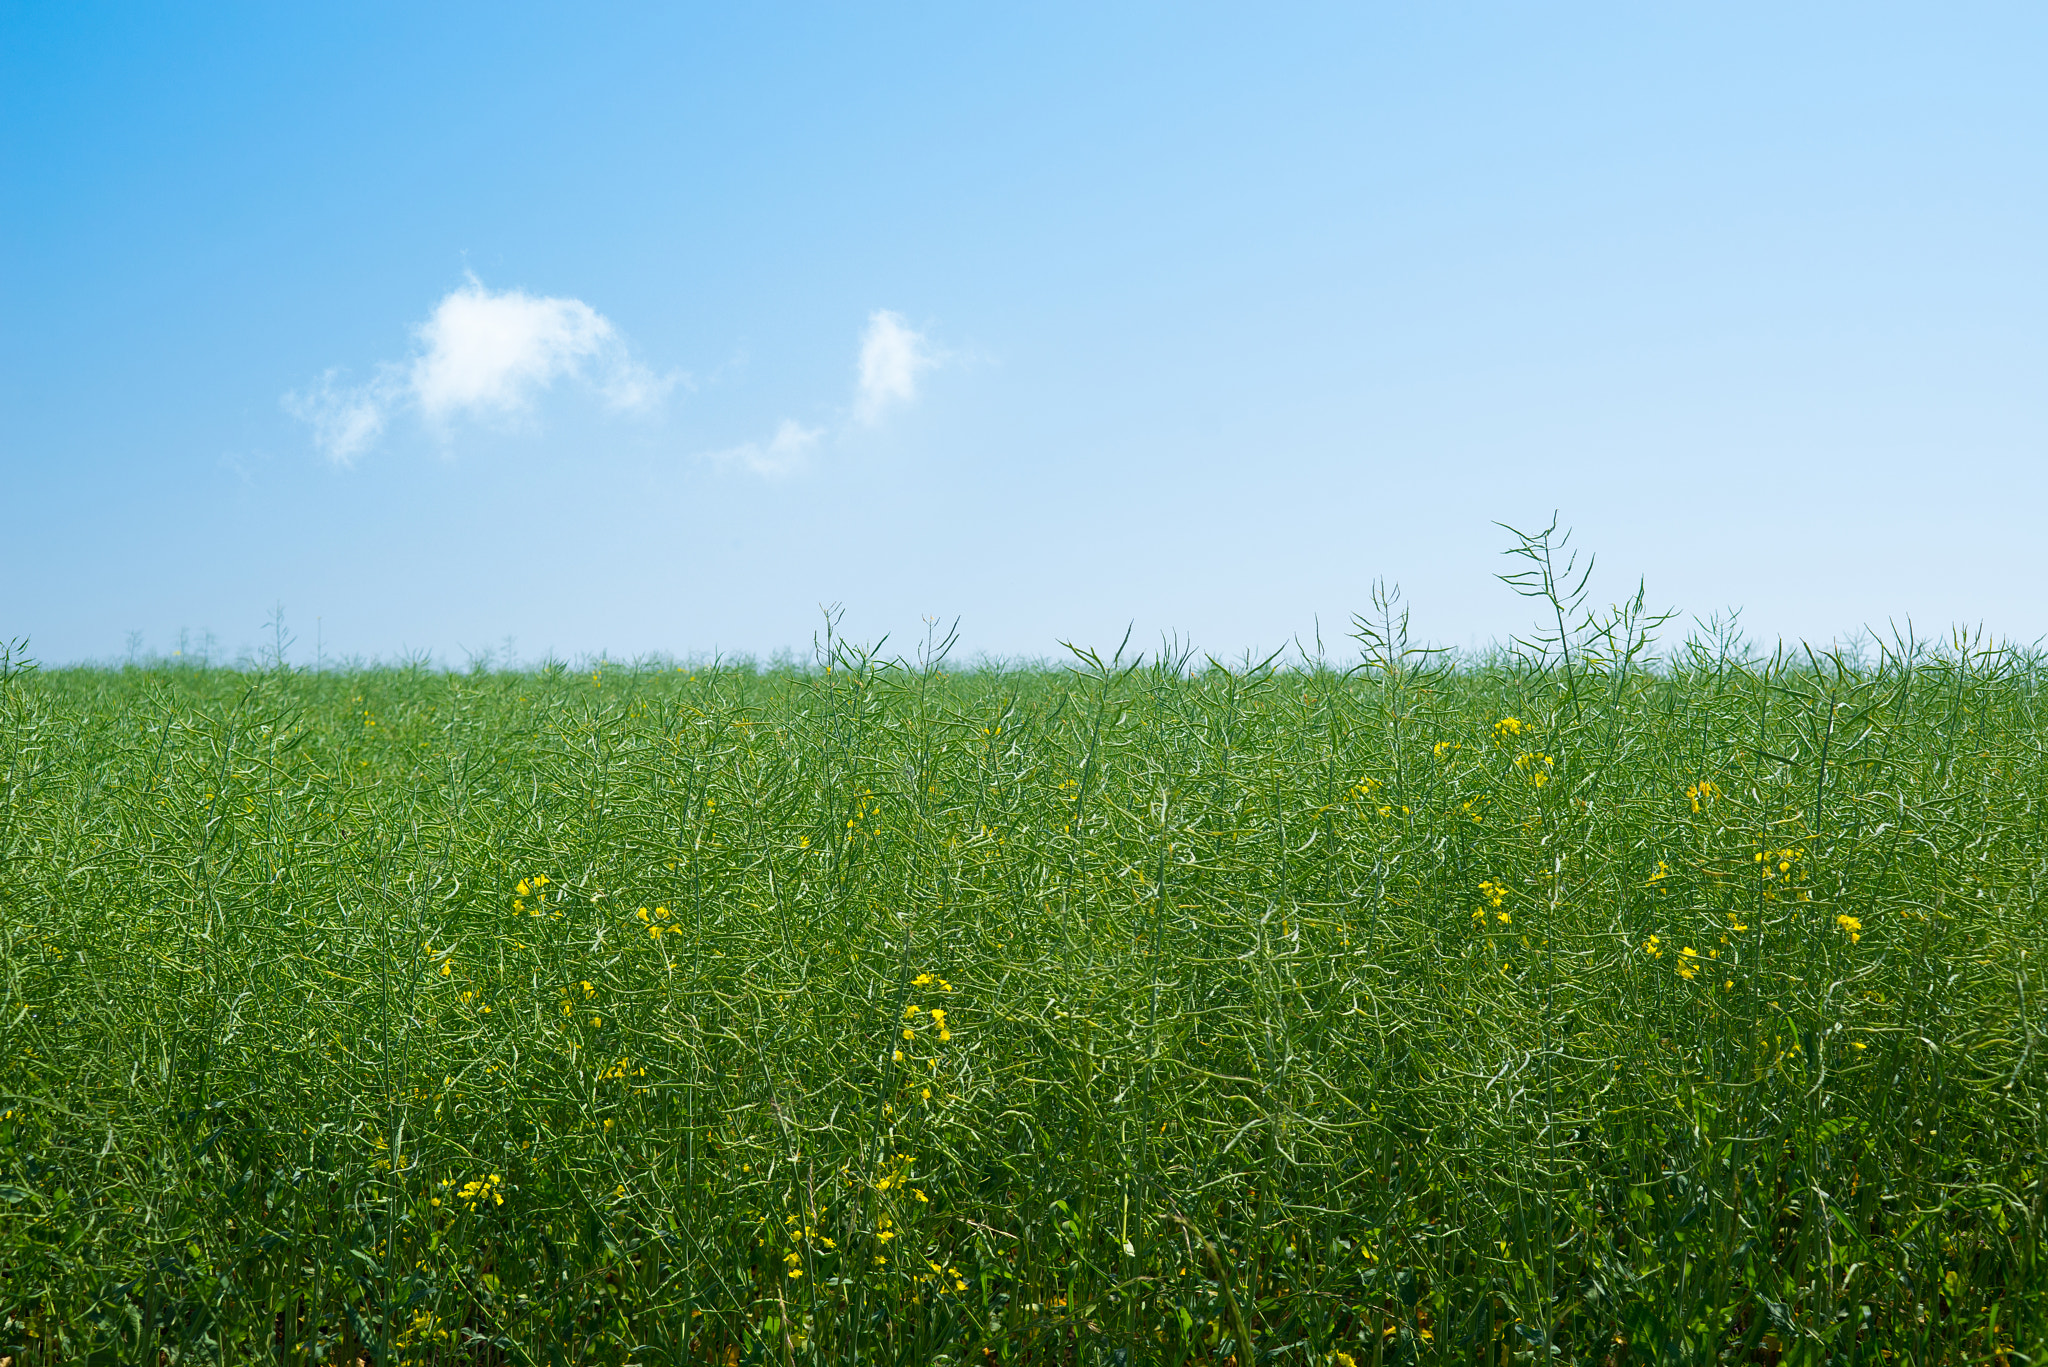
484 356
346 419
783 454
892 354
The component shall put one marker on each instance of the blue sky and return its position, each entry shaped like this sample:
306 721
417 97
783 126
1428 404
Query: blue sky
652 328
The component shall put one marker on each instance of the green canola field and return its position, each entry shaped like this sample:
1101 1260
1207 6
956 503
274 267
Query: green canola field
1520 1009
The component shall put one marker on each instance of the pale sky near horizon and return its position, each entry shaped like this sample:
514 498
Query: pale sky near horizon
643 328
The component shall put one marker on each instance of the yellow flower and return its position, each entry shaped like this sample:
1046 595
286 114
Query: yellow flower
1852 925
1506 727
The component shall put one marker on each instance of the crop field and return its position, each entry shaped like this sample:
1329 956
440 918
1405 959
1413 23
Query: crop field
1555 1005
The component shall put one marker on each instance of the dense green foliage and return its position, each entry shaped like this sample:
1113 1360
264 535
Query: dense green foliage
888 1013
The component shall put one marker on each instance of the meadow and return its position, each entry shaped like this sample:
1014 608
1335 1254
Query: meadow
1592 1002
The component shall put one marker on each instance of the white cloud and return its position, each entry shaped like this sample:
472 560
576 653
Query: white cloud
484 356
791 445
891 355
346 420
630 387
490 353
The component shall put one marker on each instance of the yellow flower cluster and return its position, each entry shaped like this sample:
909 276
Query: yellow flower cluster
1506 729
1699 794
483 1191
800 1233
426 1328
868 807
896 1174
1852 926
938 1015
1780 866
1778 863
1493 894
657 923
529 887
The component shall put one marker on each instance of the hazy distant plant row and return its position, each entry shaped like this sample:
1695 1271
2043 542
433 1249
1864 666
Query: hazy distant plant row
1146 1011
